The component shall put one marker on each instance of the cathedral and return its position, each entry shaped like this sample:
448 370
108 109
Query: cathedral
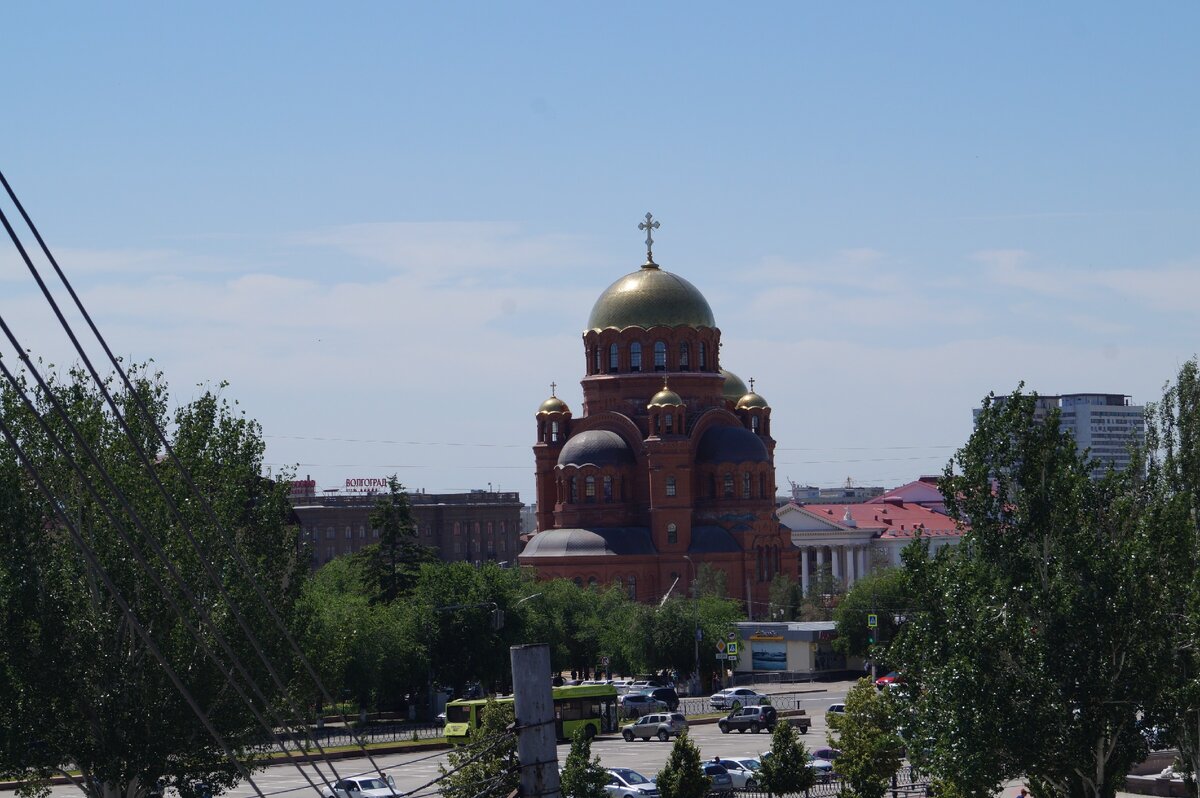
669 464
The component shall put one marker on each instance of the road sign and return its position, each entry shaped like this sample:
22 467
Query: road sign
720 646
604 661
731 649
872 620
731 636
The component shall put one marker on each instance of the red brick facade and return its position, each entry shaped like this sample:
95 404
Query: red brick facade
671 463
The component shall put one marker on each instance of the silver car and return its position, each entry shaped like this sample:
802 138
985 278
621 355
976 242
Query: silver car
628 783
721 780
743 772
664 726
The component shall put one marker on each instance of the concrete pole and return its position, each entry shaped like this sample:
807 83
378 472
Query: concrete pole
804 570
533 704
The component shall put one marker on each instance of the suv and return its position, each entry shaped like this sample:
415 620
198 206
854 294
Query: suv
634 705
661 725
721 781
667 695
752 718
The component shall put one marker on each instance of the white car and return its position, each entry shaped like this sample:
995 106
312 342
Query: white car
736 698
627 783
622 685
822 767
744 772
836 709
364 787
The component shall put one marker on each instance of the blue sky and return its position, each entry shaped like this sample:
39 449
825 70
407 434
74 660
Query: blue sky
386 223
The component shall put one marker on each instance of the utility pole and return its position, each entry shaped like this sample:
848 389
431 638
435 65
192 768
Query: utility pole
533 703
696 631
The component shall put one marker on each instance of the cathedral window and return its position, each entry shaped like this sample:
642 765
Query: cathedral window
684 359
672 533
591 581
729 486
670 424
612 358
754 424
635 356
553 431
670 486
745 484
574 491
589 490
608 489
660 356
631 586
703 356
457 529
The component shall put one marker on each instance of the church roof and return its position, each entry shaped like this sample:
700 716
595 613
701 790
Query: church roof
599 447
731 445
611 541
734 388
651 297
711 540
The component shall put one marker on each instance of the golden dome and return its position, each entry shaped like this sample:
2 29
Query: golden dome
665 398
751 399
554 405
734 389
651 297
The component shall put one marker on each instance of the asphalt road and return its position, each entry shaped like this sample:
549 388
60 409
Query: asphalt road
412 771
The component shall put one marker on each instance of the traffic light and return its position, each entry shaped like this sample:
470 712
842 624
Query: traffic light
871 635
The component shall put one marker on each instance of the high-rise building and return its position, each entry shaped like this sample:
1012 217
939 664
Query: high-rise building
1106 424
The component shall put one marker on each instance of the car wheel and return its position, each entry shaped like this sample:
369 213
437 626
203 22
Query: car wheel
628 735
754 727
751 784
663 735
724 727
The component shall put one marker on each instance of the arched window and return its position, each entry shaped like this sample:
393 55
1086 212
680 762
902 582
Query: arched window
703 356
553 431
670 486
574 491
503 527
591 581
635 356
457 529
745 484
608 489
672 533
578 581
660 356
754 424
612 358
589 489
729 486
684 357
631 586
670 423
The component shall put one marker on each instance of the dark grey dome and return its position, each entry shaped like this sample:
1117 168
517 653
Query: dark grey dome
730 445
612 541
598 447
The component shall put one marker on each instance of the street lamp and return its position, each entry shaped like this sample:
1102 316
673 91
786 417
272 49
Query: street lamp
696 632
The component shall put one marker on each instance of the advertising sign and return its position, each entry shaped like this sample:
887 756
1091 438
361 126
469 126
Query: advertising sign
769 656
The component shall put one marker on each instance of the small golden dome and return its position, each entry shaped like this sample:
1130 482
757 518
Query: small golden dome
553 404
665 398
750 400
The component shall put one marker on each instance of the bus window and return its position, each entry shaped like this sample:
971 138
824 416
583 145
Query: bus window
458 714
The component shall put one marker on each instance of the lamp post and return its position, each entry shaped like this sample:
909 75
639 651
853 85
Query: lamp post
696 631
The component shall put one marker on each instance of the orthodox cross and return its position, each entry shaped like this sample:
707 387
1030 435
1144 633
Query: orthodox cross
553 385
650 225
751 385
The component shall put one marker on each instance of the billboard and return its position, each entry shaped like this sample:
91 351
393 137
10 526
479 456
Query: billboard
769 656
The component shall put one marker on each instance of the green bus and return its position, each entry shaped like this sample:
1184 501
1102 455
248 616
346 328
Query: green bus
586 706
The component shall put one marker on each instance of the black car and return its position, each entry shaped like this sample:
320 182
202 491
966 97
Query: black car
667 695
752 718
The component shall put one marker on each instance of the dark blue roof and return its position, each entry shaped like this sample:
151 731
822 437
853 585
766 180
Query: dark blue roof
612 541
712 540
731 445
596 447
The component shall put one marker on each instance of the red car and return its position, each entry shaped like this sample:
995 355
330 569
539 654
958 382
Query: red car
888 680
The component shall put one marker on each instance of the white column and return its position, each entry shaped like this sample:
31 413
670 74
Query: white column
862 560
804 570
834 561
850 569
820 557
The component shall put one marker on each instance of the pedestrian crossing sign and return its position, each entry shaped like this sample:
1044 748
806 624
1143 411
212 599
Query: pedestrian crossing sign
731 648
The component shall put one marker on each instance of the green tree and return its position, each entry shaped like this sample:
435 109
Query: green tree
489 766
866 735
1041 637
1173 478
817 604
78 685
882 593
683 776
710 582
786 770
390 566
785 598
582 775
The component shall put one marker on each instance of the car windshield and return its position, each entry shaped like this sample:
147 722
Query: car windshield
372 784
631 776
748 764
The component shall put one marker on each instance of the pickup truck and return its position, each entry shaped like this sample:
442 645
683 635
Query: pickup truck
756 719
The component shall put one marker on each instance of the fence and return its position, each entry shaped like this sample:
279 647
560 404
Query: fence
335 736
700 706
906 783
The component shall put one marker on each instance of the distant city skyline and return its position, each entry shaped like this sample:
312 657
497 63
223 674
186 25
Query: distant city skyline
385 225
